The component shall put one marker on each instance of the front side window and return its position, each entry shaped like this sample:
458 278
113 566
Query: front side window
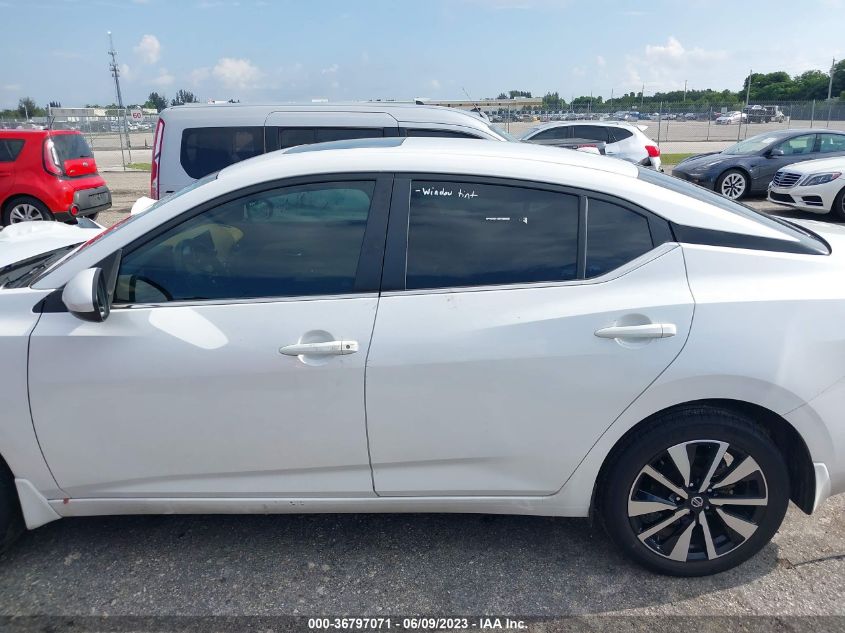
208 149
471 234
615 236
10 149
803 144
830 143
552 134
301 240
293 136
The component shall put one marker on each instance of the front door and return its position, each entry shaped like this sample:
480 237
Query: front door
798 148
522 322
233 361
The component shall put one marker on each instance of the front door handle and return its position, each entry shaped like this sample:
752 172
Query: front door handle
649 330
329 348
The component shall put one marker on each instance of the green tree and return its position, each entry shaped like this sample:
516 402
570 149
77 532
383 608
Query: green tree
552 101
28 108
157 101
182 97
502 95
513 94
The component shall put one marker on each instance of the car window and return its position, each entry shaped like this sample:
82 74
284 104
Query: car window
832 143
798 145
615 236
553 133
209 149
471 234
617 134
433 133
590 132
293 136
10 148
291 241
70 146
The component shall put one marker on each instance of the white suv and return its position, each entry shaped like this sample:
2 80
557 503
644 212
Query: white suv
622 140
194 140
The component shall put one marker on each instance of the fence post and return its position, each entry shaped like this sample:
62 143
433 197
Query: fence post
739 127
829 106
709 118
789 117
813 114
659 122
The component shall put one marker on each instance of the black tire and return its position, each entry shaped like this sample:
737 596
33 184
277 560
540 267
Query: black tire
28 202
11 519
690 545
728 184
838 209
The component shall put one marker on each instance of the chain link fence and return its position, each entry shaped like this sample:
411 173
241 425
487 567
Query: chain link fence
120 138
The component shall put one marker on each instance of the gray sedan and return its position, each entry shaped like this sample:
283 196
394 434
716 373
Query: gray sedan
749 166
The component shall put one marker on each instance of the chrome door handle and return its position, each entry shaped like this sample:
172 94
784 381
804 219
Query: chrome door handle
649 330
329 348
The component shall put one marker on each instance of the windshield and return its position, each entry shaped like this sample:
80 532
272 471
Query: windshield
19 274
805 237
71 146
751 145
530 131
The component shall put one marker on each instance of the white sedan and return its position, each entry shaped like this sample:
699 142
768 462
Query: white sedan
410 325
732 117
817 186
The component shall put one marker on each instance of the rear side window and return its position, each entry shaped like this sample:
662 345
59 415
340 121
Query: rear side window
617 134
830 143
590 133
471 234
71 146
438 133
615 236
209 149
10 148
290 137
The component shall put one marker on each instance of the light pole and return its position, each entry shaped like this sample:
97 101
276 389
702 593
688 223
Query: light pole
830 83
115 72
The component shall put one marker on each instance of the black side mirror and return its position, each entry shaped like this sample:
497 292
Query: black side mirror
775 152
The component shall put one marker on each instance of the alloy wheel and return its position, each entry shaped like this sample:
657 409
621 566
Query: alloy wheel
24 212
698 501
733 186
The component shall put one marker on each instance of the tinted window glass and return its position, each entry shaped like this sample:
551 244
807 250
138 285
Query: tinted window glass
439 133
209 149
554 133
798 145
71 146
9 149
617 134
590 132
615 236
292 136
292 241
832 143
469 234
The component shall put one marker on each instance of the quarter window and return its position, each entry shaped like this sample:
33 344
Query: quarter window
292 241
9 149
471 234
290 137
209 149
617 134
615 236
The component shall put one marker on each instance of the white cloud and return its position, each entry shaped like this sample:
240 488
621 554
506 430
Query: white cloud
330 70
434 84
601 61
236 73
199 75
126 72
673 52
11 87
164 78
148 49
666 66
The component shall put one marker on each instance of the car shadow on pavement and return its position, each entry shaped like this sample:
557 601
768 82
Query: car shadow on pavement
331 564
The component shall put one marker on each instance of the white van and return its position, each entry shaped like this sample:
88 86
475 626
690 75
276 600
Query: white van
194 140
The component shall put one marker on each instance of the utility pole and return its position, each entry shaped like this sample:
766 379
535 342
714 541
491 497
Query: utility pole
830 83
115 72
685 90
642 96
748 90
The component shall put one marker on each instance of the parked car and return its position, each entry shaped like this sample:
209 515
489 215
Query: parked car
26 240
817 186
621 140
272 286
731 118
764 114
194 140
748 166
48 175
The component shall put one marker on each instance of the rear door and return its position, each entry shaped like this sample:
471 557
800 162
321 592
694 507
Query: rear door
492 370
10 149
289 128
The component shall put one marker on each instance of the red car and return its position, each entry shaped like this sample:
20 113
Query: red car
48 175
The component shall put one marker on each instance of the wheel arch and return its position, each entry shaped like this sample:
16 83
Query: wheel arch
790 443
738 167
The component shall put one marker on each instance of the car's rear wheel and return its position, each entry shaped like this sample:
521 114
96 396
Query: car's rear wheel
732 184
699 492
25 209
11 519
838 209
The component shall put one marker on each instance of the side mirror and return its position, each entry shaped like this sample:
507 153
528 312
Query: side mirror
86 295
774 152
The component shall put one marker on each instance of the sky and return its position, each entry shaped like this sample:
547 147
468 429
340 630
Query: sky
299 50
